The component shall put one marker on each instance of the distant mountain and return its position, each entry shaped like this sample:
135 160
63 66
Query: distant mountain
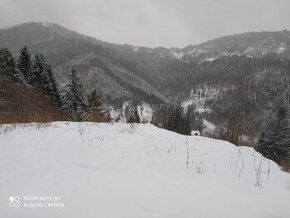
219 76
125 71
252 44
114 69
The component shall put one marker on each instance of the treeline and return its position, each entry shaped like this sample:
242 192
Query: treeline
179 119
243 109
243 105
36 73
79 107
72 103
274 139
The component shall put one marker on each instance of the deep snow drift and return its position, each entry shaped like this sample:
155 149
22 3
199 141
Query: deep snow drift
118 170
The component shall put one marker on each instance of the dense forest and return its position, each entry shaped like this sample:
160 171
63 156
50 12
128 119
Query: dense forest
37 75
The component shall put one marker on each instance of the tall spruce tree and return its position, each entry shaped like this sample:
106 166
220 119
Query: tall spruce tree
8 66
127 112
274 140
175 121
24 64
134 116
94 107
42 77
52 90
73 99
187 121
39 77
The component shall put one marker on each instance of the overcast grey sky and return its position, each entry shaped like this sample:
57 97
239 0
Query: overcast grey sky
152 22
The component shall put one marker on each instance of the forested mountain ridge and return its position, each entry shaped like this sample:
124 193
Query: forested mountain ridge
237 78
251 44
126 68
99 63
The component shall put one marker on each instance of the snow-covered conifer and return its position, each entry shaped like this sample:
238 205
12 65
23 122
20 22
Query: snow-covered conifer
24 64
73 100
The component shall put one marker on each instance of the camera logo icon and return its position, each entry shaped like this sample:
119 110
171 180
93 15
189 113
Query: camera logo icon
14 201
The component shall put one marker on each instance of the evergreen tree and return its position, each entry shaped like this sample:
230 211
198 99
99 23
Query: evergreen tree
43 78
127 112
184 123
52 89
274 140
187 122
73 99
24 64
39 77
8 66
199 123
94 107
175 121
134 115
94 100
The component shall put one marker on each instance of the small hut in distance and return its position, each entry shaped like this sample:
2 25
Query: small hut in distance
195 133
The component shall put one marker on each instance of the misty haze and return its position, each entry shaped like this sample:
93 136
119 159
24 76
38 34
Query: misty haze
136 108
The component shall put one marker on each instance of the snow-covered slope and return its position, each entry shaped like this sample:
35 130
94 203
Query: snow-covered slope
118 170
251 44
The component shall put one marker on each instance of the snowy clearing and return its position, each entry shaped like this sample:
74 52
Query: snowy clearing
118 170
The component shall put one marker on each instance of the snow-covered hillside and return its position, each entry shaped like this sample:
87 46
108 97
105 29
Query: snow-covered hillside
118 170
